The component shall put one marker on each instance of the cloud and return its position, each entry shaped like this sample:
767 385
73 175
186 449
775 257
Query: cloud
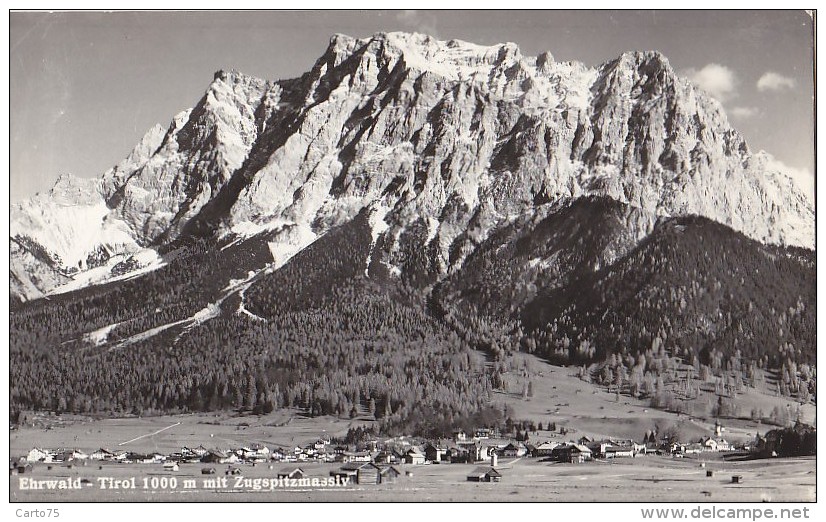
771 81
803 178
744 112
717 80
421 22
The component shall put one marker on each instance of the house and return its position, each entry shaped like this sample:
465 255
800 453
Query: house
185 453
414 456
385 457
434 453
712 444
572 453
612 452
472 451
214 456
170 466
69 455
257 452
101 454
514 450
545 449
140 458
37 455
693 448
459 435
397 455
157 457
291 473
457 454
508 451
353 456
200 450
120 455
361 456
487 451
484 474
277 455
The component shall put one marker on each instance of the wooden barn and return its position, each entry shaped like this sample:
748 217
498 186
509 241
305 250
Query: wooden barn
359 472
292 473
389 475
483 474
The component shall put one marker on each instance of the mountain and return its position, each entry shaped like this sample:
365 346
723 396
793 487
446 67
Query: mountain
362 233
450 135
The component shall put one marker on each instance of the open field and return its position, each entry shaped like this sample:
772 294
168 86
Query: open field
284 429
643 479
560 396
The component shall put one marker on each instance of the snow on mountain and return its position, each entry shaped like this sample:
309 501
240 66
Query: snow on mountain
448 137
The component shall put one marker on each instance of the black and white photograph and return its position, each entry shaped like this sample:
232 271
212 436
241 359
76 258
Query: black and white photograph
419 256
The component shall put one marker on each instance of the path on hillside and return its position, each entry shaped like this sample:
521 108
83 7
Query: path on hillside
149 434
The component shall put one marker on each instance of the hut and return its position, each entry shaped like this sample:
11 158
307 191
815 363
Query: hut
291 473
484 474
359 472
388 475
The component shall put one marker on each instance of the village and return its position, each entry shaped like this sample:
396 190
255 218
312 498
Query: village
375 461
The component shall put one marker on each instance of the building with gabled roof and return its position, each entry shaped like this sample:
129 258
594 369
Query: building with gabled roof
484 474
291 473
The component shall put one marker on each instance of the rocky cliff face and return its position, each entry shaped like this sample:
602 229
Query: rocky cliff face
444 143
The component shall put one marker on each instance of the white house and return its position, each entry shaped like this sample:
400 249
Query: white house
414 456
37 455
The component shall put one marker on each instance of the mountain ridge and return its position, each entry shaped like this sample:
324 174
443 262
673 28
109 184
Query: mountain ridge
469 136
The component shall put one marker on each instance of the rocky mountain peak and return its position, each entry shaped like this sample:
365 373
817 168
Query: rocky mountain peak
448 138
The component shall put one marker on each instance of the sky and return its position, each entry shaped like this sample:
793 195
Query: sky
85 87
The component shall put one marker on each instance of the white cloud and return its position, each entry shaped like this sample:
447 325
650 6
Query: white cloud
420 22
744 112
803 178
717 80
771 81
